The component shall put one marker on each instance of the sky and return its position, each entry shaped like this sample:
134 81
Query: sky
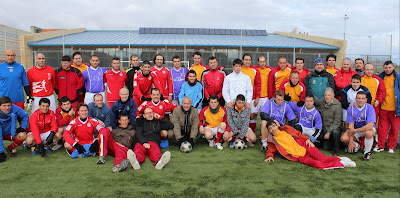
377 19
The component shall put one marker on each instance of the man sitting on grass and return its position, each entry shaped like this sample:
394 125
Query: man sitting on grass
297 147
148 131
64 115
238 121
43 127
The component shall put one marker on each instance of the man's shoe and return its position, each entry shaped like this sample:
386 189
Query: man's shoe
121 166
231 144
211 143
48 149
101 160
391 151
56 147
3 157
366 157
25 146
349 164
264 149
219 146
33 150
357 148
12 153
132 159
163 160
250 144
377 149
225 144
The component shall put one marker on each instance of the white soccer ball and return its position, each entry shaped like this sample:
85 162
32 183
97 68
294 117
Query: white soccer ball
239 144
186 147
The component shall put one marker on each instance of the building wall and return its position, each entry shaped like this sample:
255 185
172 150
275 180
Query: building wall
9 39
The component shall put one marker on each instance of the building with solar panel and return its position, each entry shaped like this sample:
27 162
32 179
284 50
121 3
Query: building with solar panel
225 44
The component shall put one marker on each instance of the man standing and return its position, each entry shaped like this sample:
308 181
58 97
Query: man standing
343 76
143 81
301 69
13 79
79 64
123 105
376 87
213 80
163 76
178 74
317 81
100 111
237 83
42 80
130 73
331 61
294 90
389 115
94 79
9 114
197 66
359 66
115 79
277 76
69 81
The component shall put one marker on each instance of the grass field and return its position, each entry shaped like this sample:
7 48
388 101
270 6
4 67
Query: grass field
205 172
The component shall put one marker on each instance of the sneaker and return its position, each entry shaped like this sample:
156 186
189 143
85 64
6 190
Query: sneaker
345 159
12 153
377 149
245 145
264 149
121 166
250 144
391 151
163 160
231 144
56 147
349 164
211 143
101 160
132 159
25 146
219 146
225 144
48 149
33 150
357 148
366 157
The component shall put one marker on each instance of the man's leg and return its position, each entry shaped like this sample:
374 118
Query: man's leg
220 132
18 140
106 144
154 152
335 139
209 134
264 135
140 152
383 128
394 130
253 116
120 153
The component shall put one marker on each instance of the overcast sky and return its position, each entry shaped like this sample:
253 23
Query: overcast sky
378 19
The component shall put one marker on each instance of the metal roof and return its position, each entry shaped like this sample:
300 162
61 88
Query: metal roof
121 38
202 31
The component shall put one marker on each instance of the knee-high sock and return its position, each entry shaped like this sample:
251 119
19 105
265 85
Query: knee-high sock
253 125
16 142
219 135
368 144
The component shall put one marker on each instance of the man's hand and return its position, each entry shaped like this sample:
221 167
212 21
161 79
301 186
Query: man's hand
327 136
351 131
146 145
201 129
94 147
230 104
19 130
71 112
170 98
256 101
300 103
247 105
287 97
352 104
376 103
309 143
269 159
101 123
80 148
50 138
157 116
40 149
351 147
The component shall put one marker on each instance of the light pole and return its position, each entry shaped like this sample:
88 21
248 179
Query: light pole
344 35
370 49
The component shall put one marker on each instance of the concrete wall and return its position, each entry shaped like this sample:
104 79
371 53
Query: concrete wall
335 42
27 52
9 39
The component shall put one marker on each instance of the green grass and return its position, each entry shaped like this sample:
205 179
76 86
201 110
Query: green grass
205 172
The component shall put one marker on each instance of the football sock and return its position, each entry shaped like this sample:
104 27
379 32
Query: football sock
15 143
219 136
231 139
368 144
245 139
253 125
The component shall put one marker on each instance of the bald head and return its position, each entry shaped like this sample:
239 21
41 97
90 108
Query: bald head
40 60
10 55
186 103
369 69
124 94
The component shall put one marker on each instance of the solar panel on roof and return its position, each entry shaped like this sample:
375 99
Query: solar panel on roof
152 30
222 31
141 30
206 31
163 30
189 30
201 31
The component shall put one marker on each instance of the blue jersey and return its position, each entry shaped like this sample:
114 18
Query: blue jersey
361 117
278 112
8 122
93 78
12 80
178 78
195 93
307 118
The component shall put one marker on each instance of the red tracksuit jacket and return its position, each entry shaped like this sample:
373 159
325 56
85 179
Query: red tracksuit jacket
69 83
41 123
213 80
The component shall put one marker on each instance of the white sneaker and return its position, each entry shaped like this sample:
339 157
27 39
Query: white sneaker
349 164
211 143
377 149
391 151
163 160
345 159
56 147
132 159
219 146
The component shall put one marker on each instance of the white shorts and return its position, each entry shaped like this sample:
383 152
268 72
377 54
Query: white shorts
257 109
362 134
175 102
308 131
344 111
43 136
213 129
89 97
36 100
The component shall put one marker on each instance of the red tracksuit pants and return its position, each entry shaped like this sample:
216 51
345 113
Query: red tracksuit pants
388 124
153 152
107 145
316 159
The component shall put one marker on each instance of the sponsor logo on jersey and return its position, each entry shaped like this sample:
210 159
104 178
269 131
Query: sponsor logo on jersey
48 76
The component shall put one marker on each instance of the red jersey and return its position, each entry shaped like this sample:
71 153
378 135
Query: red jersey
165 79
342 79
115 81
160 108
41 81
69 83
303 73
142 85
213 80
81 132
41 123
63 118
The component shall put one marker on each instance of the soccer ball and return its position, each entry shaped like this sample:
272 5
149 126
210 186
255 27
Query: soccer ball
239 144
186 147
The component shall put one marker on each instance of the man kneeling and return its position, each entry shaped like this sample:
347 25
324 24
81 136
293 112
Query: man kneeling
297 147
238 121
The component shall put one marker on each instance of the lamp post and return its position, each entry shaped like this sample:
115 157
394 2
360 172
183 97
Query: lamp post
370 49
344 35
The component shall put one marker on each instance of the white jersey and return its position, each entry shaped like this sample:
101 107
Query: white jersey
235 84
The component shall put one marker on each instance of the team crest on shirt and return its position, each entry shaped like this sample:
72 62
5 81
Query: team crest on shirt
89 125
362 114
149 77
120 74
310 116
163 72
11 69
127 108
281 109
161 107
314 82
99 72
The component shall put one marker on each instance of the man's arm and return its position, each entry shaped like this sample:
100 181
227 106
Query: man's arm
195 122
245 125
176 123
231 123
225 91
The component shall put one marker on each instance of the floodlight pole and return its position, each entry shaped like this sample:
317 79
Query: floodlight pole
294 46
344 35
184 45
63 42
370 49
129 46
241 43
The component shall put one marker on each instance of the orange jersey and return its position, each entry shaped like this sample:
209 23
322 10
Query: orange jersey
199 69
213 120
41 81
297 92
81 67
389 103
254 75
264 73
376 86
285 140
332 70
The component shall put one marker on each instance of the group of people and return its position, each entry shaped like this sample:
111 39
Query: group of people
147 105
